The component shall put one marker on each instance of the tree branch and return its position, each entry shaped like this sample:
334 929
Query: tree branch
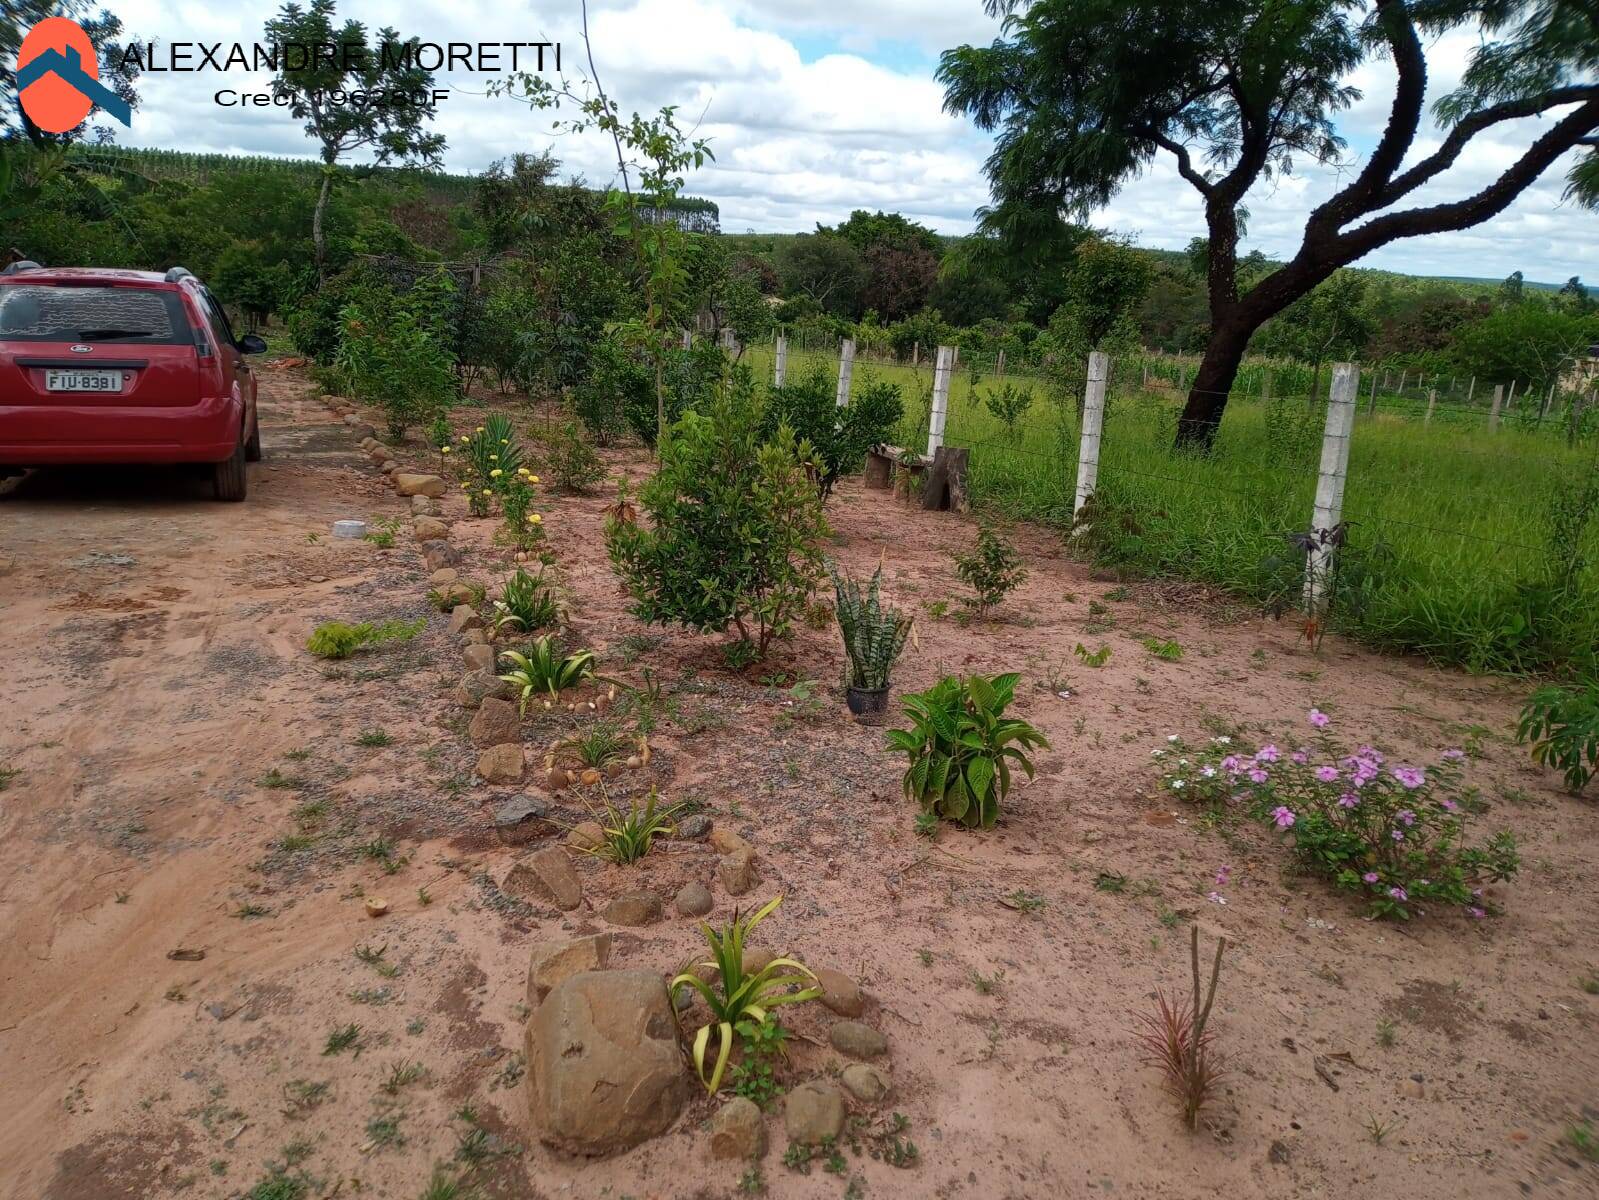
1185 163
1469 127
1364 195
1492 200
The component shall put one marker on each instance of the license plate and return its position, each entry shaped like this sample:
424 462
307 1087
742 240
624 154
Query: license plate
83 381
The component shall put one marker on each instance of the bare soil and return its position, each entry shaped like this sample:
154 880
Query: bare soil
189 779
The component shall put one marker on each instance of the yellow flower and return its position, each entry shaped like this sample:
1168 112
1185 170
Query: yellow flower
534 519
494 458
488 491
465 486
444 449
532 478
505 441
496 473
464 438
480 429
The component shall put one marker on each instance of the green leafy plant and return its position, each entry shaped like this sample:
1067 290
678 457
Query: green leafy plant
736 996
1562 723
528 601
961 747
599 745
629 836
568 460
764 1045
340 639
1161 648
544 669
874 635
993 569
1009 403
1093 658
839 437
735 533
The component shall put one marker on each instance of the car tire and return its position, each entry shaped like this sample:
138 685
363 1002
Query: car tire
252 448
227 476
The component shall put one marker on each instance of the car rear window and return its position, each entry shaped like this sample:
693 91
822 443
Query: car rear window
120 315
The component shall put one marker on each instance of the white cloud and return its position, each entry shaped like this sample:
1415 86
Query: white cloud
816 108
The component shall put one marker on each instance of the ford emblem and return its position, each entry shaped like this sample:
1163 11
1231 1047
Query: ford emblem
82 349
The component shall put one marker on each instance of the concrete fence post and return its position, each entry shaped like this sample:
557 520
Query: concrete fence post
1329 511
846 368
1093 426
1432 403
1493 411
1371 404
999 367
688 340
943 367
780 364
1471 389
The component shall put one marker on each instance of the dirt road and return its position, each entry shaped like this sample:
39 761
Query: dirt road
193 1001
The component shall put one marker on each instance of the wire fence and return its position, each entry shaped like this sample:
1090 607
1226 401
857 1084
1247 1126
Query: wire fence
1471 529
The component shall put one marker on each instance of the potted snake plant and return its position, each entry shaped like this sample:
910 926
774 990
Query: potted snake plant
873 634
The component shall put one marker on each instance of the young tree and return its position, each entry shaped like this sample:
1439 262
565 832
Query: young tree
1085 93
393 132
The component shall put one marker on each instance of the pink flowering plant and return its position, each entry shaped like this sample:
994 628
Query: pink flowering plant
1393 832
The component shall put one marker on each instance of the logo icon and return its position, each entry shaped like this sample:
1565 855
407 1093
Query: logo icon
58 78
81 349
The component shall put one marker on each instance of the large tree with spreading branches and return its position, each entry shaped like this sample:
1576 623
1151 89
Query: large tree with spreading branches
1084 94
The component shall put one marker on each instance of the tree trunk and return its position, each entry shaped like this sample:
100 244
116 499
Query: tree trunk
318 237
1207 398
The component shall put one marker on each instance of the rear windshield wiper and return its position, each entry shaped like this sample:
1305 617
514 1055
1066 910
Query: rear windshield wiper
102 335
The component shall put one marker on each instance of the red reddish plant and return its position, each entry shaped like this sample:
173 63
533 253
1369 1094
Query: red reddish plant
1176 1038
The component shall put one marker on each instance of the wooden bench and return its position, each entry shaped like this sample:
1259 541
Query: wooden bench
943 476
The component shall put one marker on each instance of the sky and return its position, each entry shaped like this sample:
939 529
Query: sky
816 108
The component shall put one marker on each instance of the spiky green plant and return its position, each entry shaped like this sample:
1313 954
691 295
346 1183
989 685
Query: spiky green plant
736 996
874 634
544 669
528 599
629 835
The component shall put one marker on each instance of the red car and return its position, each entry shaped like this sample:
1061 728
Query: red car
110 366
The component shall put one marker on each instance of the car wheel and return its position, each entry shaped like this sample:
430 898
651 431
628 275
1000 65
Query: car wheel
227 476
252 448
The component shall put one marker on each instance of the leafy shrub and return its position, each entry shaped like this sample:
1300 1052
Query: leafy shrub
489 462
840 437
528 601
340 639
568 460
735 531
690 378
1562 723
873 635
960 747
617 383
387 358
544 668
1396 834
993 569
735 997
1009 403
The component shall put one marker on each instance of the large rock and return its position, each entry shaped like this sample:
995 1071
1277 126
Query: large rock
545 875
605 1072
693 828
476 686
421 506
439 553
479 656
444 576
813 1112
429 529
502 764
496 722
586 835
556 962
521 819
738 1130
694 900
464 617
866 1083
725 841
430 486
840 993
857 1040
737 871
634 909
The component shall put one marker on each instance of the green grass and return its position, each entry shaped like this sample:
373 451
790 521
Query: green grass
1446 519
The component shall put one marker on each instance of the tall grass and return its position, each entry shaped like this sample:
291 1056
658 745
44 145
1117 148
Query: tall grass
1453 547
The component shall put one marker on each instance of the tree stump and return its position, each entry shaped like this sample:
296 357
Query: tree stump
879 468
946 480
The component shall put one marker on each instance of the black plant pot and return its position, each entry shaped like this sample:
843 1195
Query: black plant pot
866 702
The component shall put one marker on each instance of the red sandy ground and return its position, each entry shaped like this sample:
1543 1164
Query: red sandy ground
146 699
